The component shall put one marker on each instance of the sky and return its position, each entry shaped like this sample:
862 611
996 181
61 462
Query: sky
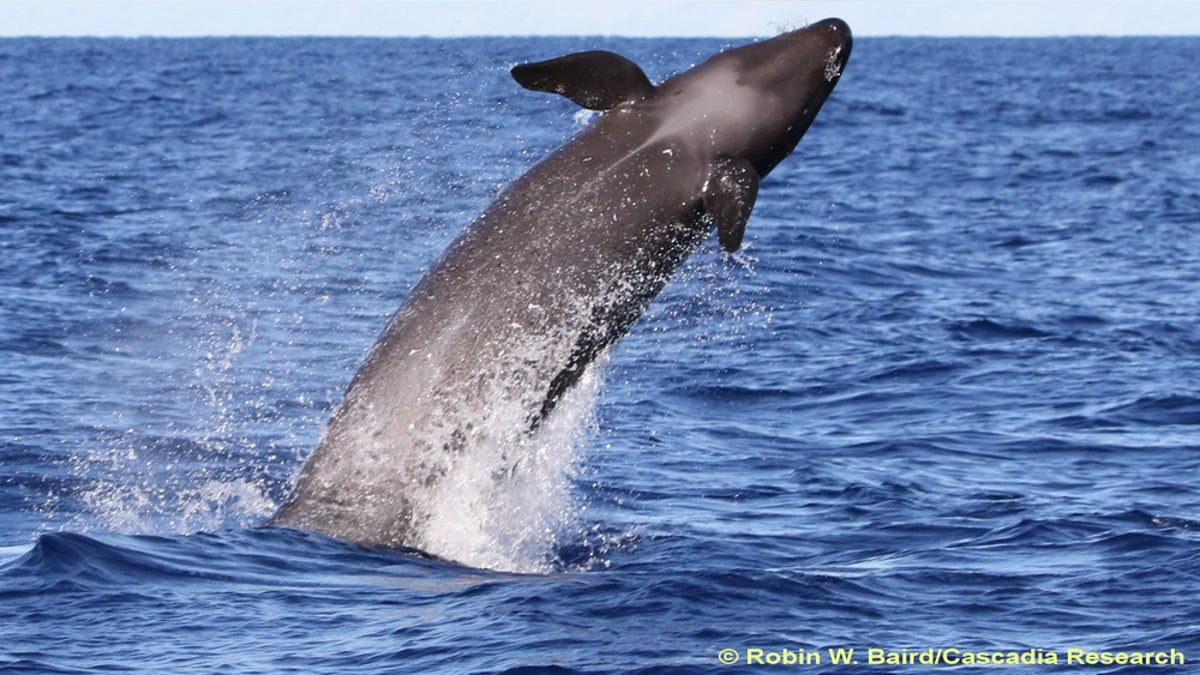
715 18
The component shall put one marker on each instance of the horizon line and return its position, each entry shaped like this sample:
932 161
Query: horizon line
594 18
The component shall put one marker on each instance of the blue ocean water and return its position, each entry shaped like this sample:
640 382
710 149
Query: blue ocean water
946 397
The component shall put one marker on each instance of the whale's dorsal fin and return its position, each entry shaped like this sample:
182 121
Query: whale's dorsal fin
596 80
729 195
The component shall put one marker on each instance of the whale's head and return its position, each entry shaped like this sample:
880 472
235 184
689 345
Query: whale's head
752 102
781 84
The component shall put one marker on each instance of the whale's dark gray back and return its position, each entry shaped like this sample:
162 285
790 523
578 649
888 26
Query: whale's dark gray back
551 274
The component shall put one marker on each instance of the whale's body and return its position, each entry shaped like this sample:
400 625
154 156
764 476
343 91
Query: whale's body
554 271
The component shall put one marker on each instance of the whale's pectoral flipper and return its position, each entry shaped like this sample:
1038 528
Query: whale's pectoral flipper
728 198
596 80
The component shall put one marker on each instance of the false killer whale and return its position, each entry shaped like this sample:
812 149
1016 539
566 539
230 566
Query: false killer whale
554 271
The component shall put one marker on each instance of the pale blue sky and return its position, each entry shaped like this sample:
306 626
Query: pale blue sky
722 18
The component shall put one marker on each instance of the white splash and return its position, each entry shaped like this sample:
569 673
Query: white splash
505 508
158 507
833 67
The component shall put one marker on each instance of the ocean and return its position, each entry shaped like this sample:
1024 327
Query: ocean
940 412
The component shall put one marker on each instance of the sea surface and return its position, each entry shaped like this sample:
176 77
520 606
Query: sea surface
944 402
